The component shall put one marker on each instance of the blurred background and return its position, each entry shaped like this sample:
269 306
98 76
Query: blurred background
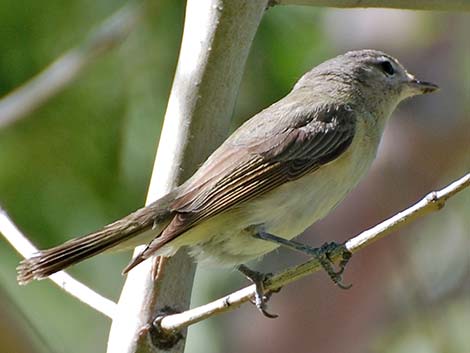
84 159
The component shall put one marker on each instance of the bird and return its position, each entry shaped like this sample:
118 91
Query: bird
280 172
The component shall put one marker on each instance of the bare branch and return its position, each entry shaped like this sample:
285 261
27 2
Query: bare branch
434 201
435 5
64 70
69 284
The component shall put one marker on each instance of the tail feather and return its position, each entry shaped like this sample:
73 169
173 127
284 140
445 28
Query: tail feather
47 262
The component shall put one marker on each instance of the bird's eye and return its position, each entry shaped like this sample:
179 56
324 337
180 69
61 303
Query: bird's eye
387 67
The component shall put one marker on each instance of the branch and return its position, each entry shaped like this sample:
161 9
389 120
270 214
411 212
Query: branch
64 70
69 284
434 201
435 5
216 41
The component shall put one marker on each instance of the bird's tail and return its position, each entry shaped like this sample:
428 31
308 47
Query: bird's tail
123 233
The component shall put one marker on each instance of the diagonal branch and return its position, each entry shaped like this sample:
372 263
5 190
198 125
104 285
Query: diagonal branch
447 5
434 201
69 284
64 70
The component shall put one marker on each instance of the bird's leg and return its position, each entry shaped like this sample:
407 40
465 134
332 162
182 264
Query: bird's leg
258 279
322 254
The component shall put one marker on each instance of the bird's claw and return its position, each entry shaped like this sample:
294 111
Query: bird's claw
261 298
323 255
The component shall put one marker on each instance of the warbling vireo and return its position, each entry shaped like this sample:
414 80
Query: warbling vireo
280 172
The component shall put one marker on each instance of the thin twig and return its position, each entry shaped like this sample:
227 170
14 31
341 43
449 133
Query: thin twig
447 5
64 70
434 201
69 284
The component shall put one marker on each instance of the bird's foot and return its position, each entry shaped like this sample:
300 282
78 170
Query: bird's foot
324 257
261 298
324 254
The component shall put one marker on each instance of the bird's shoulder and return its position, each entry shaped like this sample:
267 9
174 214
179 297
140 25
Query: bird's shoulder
298 111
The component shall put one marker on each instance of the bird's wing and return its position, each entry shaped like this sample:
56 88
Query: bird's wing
242 169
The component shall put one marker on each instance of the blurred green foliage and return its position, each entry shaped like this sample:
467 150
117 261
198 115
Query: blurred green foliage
85 158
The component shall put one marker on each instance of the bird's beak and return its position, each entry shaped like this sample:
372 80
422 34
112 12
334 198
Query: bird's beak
420 87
